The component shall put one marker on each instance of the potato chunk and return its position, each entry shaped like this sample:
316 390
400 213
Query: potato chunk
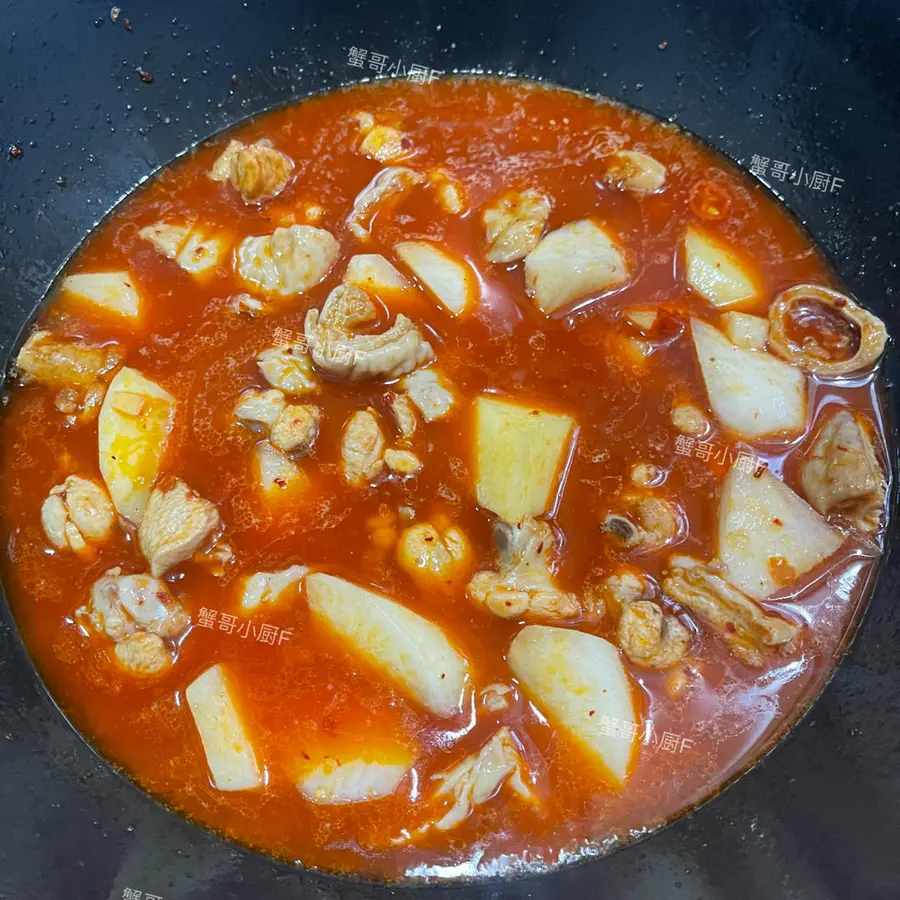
131 446
288 261
768 536
520 451
716 272
372 272
410 650
751 393
571 263
193 249
448 279
749 332
353 774
113 292
578 681
226 743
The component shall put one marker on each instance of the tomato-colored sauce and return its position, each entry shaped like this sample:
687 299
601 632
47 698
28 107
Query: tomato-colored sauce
491 136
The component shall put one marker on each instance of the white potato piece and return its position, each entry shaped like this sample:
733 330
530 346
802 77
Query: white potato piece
134 424
288 261
716 272
268 587
578 681
520 451
373 273
229 752
430 393
194 249
447 278
412 651
749 332
571 263
768 536
114 292
354 774
277 475
751 393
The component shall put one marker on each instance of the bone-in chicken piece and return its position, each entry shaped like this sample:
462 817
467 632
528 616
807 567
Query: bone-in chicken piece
57 362
176 523
750 634
649 637
388 183
645 523
362 448
480 776
288 261
256 172
524 585
403 413
513 224
430 393
296 429
76 514
573 262
843 474
139 614
358 357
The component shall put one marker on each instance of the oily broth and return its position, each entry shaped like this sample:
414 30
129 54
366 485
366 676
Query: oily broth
492 135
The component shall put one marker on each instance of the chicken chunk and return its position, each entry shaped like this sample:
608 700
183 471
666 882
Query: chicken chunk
143 653
513 224
843 474
615 592
632 170
57 362
288 261
260 407
571 263
296 429
750 634
244 304
267 587
256 172
403 413
288 368
402 462
176 523
689 419
362 448
430 393
387 185
451 194
359 357
123 605
645 523
385 143
524 585
434 558
76 514
481 775
497 697
651 638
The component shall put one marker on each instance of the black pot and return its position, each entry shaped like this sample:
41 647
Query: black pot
89 107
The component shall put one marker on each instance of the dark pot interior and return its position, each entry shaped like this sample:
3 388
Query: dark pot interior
811 84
